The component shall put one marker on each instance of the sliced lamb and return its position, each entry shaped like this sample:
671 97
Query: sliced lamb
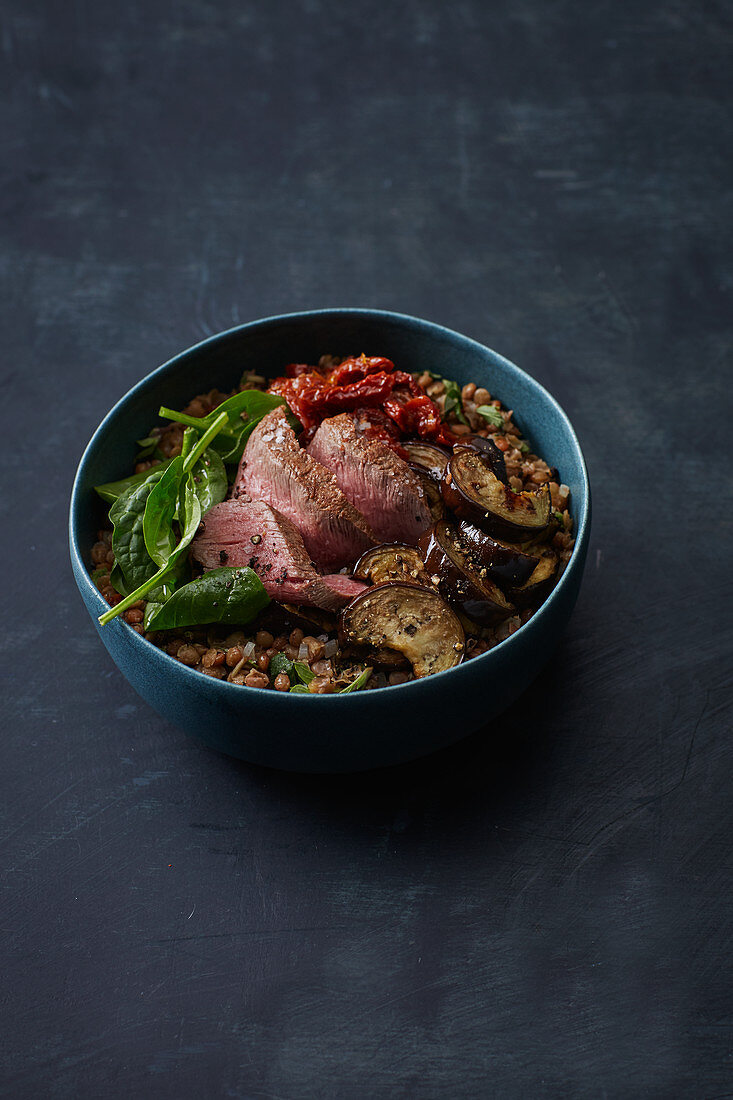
376 480
254 534
275 469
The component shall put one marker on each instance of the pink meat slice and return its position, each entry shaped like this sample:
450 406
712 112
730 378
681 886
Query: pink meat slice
375 479
275 469
254 534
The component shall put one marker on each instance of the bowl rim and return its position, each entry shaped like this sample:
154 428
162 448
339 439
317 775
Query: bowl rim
83 577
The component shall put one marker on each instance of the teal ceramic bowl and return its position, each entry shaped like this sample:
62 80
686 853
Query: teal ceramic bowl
331 733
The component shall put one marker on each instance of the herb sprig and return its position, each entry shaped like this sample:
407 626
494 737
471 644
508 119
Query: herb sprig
492 415
453 399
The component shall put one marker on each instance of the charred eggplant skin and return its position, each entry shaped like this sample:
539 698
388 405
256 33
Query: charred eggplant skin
463 581
431 491
473 492
387 659
508 564
392 561
412 620
540 582
428 457
487 451
284 616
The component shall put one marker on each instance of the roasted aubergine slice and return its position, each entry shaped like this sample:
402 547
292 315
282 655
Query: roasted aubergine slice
392 561
508 564
463 581
474 493
540 581
411 620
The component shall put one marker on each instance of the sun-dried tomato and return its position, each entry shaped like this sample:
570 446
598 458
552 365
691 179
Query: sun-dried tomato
361 382
357 367
418 415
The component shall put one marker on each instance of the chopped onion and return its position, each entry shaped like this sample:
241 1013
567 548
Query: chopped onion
303 652
248 650
330 648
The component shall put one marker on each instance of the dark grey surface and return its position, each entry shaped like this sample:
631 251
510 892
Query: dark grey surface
545 911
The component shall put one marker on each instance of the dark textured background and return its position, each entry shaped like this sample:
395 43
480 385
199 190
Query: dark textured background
543 911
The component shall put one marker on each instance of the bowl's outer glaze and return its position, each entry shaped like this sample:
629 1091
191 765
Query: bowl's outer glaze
331 733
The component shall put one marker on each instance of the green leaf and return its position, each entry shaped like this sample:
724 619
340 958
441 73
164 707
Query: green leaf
303 672
232 439
177 575
253 403
152 608
524 446
492 414
174 578
228 595
191 519
209 480
111 490
160 510
358 683
299 689
133 563
453 400
117 580
149 448
279 664
132 527
231 447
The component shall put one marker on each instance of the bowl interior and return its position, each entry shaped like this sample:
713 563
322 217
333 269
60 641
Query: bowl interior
267 346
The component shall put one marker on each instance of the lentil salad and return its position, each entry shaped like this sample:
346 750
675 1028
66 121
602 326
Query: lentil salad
279 645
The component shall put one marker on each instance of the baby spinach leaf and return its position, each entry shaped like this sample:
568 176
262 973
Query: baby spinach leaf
189 517
187 508
231 440
492 414
209 479
111 490
178 574
228 595
358 683
167 569
149 448
253 403
132 559
117 580
231 446
152 608
156 597
160 510
299 689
